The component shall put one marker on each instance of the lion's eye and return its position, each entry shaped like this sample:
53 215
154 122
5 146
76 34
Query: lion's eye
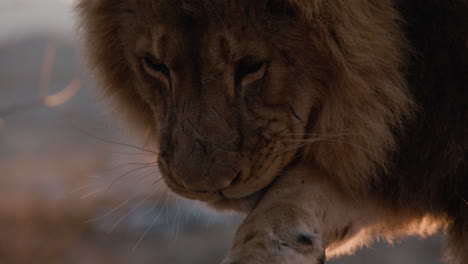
154 67
249 70
248 67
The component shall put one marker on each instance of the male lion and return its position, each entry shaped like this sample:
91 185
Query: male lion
328 122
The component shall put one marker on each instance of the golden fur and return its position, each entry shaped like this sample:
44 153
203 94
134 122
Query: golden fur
235 93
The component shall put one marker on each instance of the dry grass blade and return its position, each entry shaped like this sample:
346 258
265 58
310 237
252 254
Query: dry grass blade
45 100
47 67
64 95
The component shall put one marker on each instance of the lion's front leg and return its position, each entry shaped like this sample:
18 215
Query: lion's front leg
295 221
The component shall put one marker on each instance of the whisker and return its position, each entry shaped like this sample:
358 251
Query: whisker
351 144
129 212
177 218
154 204
131 153
288 127
166 206
157 181
127 173
128 164
328 140
146 232
91 193
84 187
297 146
111 211
148 229
139 176
66 117
289 150
143 176
118 143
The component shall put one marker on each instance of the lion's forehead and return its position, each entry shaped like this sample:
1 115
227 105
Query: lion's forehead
205 50
195 11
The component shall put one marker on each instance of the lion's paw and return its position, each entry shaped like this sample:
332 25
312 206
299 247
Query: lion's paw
277 248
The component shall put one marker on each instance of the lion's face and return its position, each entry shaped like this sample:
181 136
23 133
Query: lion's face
226 96
233 91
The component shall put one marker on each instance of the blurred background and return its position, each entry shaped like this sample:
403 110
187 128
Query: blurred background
75 189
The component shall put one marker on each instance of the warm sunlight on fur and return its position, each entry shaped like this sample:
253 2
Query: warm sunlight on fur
320 114
390 231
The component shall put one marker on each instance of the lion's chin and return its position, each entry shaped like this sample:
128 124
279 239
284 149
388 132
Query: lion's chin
221 202
240 197
243 205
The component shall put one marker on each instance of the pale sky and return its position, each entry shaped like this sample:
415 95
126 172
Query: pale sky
20 18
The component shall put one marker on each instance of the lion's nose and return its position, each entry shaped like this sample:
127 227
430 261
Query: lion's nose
210 183
207 163
205 168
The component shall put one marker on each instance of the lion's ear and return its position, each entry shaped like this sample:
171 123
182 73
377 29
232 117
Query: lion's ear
280 8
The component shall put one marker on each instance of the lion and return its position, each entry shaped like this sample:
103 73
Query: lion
328 123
